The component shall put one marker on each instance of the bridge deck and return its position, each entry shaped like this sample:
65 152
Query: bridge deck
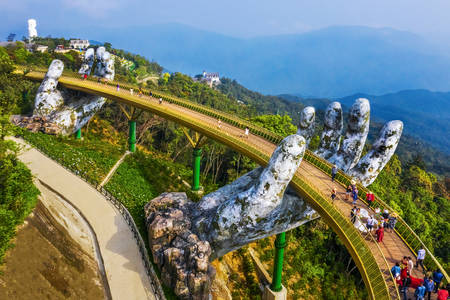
310 181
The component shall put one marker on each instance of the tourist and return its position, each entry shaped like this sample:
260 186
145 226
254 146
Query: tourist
377 212
395 271
410 264
219 123
437 278
406 282
160 100
420 292
333 172
420 258
348 191
140 92
443 293
353 214
118 87
246 132
370 222
385 214
333 194
99 80
84 76
369 198
429 286
380 234
355 195
392 221
131 91
404 264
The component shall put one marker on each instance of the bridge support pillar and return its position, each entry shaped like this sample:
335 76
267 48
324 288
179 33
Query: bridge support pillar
78 134
197 155
132 136
280 243
271 295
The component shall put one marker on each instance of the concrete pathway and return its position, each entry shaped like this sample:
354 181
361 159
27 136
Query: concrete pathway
123 264
113 169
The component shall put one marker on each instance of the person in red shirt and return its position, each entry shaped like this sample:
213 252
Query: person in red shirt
380 234
369 198
443 293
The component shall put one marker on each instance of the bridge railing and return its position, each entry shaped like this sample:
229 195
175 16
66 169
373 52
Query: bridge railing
402 228
406 233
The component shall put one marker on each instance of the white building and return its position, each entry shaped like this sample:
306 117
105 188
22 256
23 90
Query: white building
79 44
211 78
41 48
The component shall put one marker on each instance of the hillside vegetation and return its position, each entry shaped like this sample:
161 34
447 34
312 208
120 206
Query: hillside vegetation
164 159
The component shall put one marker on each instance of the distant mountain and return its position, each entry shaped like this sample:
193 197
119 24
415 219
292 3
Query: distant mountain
426 114
331 62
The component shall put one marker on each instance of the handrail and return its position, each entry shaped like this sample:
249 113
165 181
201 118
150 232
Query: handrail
411 238
322 164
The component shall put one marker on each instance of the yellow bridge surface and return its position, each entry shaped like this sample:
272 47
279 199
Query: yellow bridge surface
311 181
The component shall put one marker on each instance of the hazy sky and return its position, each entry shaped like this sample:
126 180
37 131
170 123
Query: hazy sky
244 18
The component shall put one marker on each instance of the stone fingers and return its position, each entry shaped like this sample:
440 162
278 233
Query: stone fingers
355 137
306 125
382 150
48 97
332 130
88 62
105 64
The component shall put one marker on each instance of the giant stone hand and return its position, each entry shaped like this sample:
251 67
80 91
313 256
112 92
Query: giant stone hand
71 110
346 154
259 204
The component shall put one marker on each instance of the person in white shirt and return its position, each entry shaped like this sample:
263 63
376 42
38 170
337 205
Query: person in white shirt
410 265
420 258
370 222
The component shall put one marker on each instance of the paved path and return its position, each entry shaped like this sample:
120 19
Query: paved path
113 169
123 264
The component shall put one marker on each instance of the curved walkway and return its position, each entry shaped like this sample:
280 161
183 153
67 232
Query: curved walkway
123 264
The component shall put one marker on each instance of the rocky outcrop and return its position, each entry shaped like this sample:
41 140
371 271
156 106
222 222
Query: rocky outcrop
183 258
36 124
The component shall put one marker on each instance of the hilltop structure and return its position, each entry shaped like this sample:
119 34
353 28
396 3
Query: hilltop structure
211 79
79 44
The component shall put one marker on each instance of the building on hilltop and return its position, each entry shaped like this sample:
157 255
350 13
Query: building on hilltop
79 44
60 49
212 79
41 48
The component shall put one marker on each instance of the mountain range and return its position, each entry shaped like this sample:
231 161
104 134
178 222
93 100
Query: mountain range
330 62
425 114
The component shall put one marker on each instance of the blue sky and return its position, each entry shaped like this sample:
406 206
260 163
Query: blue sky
245 18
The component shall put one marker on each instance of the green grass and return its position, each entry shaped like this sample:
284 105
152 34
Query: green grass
92 158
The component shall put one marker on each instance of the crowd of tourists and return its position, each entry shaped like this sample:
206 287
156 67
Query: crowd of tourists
402 271
423 288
